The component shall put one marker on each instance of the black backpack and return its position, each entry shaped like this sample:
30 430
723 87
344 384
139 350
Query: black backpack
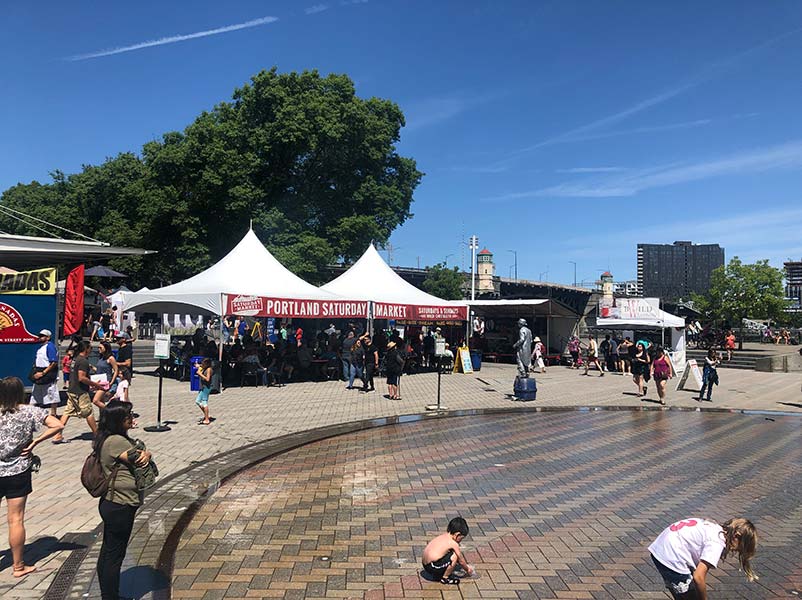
94 479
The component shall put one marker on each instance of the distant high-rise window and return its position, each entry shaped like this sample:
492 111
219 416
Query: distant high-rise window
674 271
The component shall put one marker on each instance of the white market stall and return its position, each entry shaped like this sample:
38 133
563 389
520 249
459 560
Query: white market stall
247 281
644 313
371 280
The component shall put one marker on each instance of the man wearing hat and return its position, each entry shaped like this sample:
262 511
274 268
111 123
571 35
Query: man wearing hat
45 387
125 355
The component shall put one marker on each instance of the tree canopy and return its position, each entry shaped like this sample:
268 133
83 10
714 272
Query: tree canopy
443 282
312 165
739 290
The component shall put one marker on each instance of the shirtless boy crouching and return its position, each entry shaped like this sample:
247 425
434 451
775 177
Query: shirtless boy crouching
443 553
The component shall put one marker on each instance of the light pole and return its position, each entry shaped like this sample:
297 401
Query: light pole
446 261
573 262
515 253
474 246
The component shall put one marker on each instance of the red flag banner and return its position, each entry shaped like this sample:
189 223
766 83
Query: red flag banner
74 301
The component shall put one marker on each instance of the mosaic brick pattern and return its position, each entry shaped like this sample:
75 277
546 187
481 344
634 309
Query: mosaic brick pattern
560 505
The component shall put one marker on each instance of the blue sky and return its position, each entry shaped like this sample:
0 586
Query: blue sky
566 131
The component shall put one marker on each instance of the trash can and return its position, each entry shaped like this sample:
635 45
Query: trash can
194 380
476 360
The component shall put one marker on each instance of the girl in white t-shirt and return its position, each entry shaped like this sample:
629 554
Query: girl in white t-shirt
687 549
122 387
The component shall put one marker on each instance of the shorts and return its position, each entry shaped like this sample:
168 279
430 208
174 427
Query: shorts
78 405
16 486
66 377
392 379
202 398
677 583
437 568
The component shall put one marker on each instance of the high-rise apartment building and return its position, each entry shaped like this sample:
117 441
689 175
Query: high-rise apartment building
793 283
674 271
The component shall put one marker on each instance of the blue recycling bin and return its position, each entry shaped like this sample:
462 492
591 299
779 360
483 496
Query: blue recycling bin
194 380
476 360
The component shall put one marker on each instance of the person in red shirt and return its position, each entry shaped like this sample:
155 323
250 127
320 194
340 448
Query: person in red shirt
729 344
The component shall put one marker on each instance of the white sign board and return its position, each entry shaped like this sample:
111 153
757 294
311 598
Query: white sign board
691 370
439 346
161 348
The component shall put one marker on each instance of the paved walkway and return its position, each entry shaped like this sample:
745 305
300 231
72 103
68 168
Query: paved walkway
559 505
59 505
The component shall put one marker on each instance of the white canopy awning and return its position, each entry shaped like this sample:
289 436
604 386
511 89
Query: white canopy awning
248 274
372 279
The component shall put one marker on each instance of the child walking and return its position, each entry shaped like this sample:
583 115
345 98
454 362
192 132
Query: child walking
202 399
443 553
685 551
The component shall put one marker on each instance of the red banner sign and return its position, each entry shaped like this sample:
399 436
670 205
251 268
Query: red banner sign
259 306
74 301
383 310
12 327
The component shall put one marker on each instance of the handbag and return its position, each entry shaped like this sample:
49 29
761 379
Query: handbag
45 379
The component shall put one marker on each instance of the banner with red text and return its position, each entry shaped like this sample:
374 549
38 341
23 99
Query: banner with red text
384 310
260 306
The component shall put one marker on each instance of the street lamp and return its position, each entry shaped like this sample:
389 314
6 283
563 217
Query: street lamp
446 261
515 253
573 262
474 246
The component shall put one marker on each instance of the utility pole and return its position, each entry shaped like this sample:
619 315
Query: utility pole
474 246
515 254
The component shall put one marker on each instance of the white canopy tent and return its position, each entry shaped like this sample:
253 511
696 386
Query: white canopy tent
641 313
372 280
248 280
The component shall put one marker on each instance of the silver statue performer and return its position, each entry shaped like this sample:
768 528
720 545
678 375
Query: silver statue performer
523 347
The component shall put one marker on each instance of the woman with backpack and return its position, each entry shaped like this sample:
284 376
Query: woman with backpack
127 466
18 421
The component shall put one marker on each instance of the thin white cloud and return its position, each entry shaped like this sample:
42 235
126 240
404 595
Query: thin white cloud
711 71
352 2
436 109
783 156
317 8
592 170
173 39
765 234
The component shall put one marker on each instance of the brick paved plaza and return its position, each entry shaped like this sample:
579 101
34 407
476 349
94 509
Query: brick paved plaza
194 458
560 505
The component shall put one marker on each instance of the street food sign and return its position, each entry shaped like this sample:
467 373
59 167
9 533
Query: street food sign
12 326
41 282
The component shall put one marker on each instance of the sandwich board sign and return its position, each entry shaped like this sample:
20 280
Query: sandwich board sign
161 349
463 363
691 370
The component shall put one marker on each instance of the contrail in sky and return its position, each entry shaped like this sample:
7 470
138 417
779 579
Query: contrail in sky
176 38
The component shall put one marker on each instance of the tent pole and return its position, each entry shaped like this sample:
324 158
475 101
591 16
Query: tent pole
220 345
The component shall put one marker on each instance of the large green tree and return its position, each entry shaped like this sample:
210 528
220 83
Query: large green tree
443 282
313 167
739 291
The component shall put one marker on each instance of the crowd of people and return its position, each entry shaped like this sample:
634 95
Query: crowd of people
127 466
644 360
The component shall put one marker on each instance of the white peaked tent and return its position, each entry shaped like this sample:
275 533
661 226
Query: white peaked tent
371 279
248 281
